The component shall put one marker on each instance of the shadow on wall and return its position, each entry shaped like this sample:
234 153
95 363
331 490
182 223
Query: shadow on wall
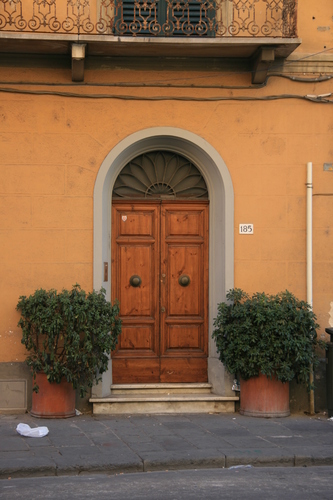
299 396
320 386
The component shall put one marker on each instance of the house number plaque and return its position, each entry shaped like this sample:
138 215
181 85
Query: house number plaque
245 228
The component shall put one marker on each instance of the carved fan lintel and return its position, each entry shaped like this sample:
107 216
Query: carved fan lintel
160 175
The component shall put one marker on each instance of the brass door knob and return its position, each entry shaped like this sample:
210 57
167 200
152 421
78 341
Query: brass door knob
184 280
135 280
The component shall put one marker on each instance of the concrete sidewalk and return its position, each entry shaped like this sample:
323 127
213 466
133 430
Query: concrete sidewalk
119 444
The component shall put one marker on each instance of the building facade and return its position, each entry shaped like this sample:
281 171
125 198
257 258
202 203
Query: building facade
159 140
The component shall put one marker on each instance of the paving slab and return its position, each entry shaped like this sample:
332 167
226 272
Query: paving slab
102 463
114 444
206 441
27 467
12 444
292 441
247 442
267 457
180 460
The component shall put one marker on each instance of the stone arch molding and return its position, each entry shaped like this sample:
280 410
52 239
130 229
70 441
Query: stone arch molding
221 224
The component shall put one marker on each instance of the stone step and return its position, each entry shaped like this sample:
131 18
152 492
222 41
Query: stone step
163 403
166 389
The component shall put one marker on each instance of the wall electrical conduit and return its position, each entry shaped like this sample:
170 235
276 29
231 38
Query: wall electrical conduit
309 297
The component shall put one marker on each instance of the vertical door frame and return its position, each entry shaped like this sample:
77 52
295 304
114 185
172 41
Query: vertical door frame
221 225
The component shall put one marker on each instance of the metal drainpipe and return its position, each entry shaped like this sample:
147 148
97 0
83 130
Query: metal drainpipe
309 297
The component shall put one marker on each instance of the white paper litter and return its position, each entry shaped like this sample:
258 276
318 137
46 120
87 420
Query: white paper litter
331 419
36 432
240 467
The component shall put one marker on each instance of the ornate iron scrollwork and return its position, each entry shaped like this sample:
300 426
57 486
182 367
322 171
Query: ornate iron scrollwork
191 18
165 18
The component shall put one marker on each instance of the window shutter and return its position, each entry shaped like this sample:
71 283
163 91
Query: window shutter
189 18
164 18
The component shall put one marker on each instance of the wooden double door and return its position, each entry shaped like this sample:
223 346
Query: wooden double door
160 277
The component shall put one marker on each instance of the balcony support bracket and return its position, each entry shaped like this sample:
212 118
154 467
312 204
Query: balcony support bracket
262 61
78 56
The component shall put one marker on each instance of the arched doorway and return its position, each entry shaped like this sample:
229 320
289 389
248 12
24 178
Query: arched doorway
159 255
220 189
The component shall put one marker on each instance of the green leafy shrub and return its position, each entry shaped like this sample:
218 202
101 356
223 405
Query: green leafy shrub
271 334
69 334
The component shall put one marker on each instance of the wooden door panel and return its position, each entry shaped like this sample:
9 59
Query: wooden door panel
181 336
135 251
180 222
184 251
136 338
136 260
184 260
135 371
186 370
139 223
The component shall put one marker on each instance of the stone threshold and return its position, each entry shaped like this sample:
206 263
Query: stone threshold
163 398
163 388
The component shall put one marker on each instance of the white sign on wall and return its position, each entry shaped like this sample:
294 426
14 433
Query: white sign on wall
245 228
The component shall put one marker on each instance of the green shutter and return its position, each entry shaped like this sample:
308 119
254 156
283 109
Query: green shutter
191 19
164 18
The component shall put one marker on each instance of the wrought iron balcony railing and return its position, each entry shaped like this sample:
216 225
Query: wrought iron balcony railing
209 18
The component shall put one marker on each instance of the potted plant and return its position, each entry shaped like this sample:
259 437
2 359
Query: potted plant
69 337
268 340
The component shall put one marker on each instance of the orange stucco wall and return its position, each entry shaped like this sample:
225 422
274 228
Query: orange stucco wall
52 147
315 26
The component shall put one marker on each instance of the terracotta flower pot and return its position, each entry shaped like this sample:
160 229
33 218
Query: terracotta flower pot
53 400
264 397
